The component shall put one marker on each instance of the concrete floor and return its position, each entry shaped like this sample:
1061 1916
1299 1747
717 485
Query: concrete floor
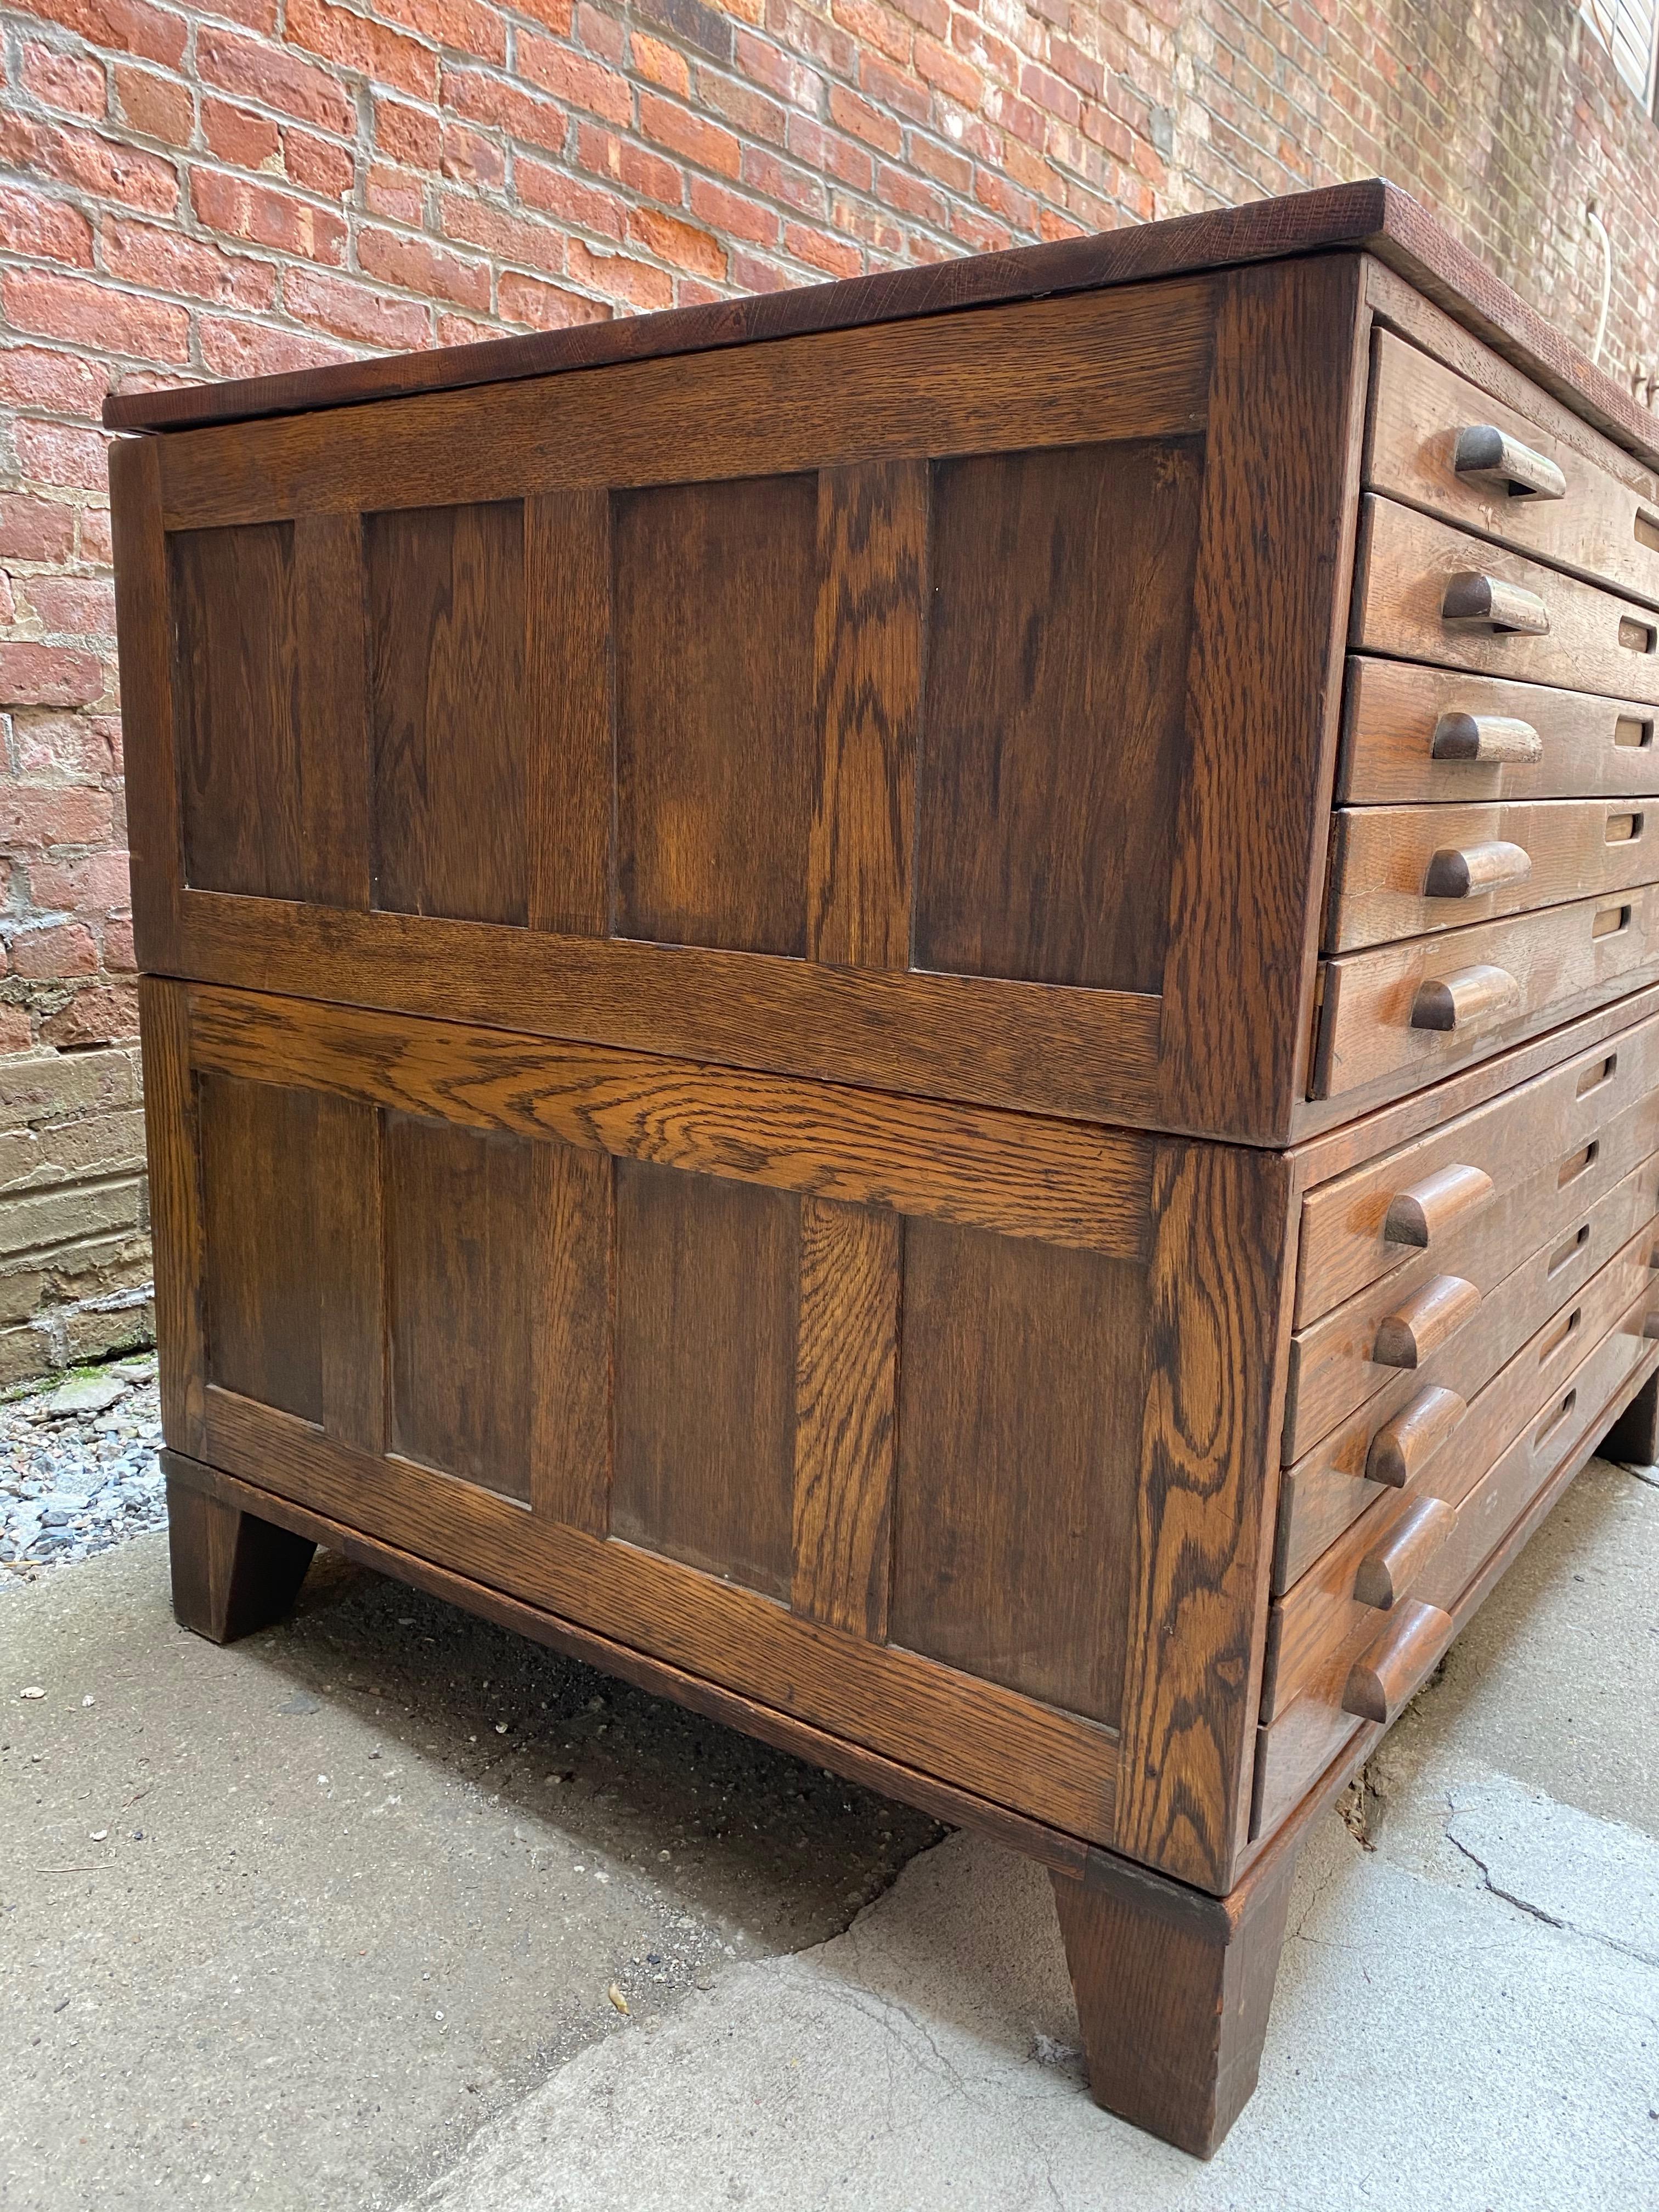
345 1945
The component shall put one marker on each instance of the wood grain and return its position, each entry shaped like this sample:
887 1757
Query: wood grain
334 752
150 751
260 1234
572 1238
347 1170
567 740
232 1573
846 1393
172 1140
869 639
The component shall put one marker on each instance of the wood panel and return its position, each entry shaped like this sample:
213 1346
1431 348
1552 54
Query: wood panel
707 1308
1062 588
149 730
260 1236
235 686
1020 1393
871 627
445 589
846 1391
716 592
336 759
347 1170
173 1140
567 738
570 1235
1019 1175
1591 746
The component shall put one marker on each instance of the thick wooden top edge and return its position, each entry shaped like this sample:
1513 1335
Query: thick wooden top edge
1371 215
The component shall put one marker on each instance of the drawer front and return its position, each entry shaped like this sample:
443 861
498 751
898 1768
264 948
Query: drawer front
1408 871
1403 1015
1426 592
1340 1361
1308 1734
1411 733
1436 440
1391 1542
1419 1413
1364 1223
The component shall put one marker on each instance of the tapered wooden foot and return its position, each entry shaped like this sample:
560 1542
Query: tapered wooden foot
1173 1990
1634 1439
231 1572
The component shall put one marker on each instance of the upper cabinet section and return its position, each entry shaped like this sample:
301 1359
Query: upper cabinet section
948 706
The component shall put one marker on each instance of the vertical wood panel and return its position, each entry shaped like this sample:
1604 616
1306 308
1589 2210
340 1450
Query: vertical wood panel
351 1281
571 1224
336 759
567 690
260 1230
846 1387
1054 746
1202 1530
155 813
871 632
175 1211
707 1288
717 749
1021 1388
447 620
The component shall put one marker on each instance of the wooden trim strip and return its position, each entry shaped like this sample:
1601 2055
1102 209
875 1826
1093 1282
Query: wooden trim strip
155 817
1049 1764
175 1204
1087 1188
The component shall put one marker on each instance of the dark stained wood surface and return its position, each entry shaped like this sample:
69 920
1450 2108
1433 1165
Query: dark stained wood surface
1370 215
232 1573
263 1254
173 1142
566 734
571 1236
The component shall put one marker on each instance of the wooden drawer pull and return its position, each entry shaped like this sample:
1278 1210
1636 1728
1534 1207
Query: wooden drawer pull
1485 737
1467 995
1422 1323
1467 871
1650 1326
1385 1675
1386 1574
1474 601
1421 1211
1403 1447
1490 455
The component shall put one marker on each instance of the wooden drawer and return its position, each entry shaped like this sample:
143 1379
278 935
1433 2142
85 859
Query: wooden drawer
1411 733
1419 594
1420 1412
1400 1530
1335 1367
1363 1224
1406 870
1405 1014
1519 481
1307 1734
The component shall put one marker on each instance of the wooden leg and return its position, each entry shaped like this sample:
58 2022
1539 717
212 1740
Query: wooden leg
1634 1439
1173 1990
231 1572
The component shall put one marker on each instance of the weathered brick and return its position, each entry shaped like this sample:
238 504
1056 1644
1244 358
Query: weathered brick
574 78
359 43
545 307
126 27
682 243
503 235
53 950
619 276
240 137
45 228
470 157
33 529
239 207
99 1013
144 254
419 266
66 604
464 26
61 453
485 98
155 107
274 78
233 347
96 165
570 201
42 815
65 80
356 310
318 165
690 136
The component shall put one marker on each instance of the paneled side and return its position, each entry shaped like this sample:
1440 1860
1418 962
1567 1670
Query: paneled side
1053 744
446 594
460 1290
236 694
717 751
707 1292
1021 1383
261 1243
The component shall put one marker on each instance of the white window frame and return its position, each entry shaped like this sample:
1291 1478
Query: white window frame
1630 31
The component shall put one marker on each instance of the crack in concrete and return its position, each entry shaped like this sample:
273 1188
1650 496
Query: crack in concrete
1549 1919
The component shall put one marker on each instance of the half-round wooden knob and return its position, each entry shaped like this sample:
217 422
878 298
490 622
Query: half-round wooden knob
1403 1447
1476 601
1466 996
1467 871
1485 737
1421 1323
1427 1209
1492 456
1386 1573
1387 1673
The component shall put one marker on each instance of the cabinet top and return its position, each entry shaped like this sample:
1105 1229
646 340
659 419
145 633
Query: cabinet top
1372 216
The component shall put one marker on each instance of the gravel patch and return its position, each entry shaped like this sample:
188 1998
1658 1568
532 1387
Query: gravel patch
78 1467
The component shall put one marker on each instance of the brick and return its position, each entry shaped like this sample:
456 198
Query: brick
848 163
54 950
601 34
732 214
876 28
275 78
463 330
34 224
400 195
857 115
239 207
911 196
42 815
95 165
947 167
620 277
356 310
407 133
126 27
689 136
763 62
117 947
318 165
558 15
98 1014
1050 93
544 307
156 107
895 89
574 79
566 198
749 112
853 219
763 173
232 347
955 78
682 243
471 158
95 535
62 747
359 43
65 80
464 26
649 174
501 235
73 603
143 253
98 885
661 65
419 266
33 529
484 99
95 315
240 137
820 251
704 30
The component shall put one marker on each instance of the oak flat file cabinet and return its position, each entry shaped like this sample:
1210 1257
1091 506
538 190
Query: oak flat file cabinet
927 1011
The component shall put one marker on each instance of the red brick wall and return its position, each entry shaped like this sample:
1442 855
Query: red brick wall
269 183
